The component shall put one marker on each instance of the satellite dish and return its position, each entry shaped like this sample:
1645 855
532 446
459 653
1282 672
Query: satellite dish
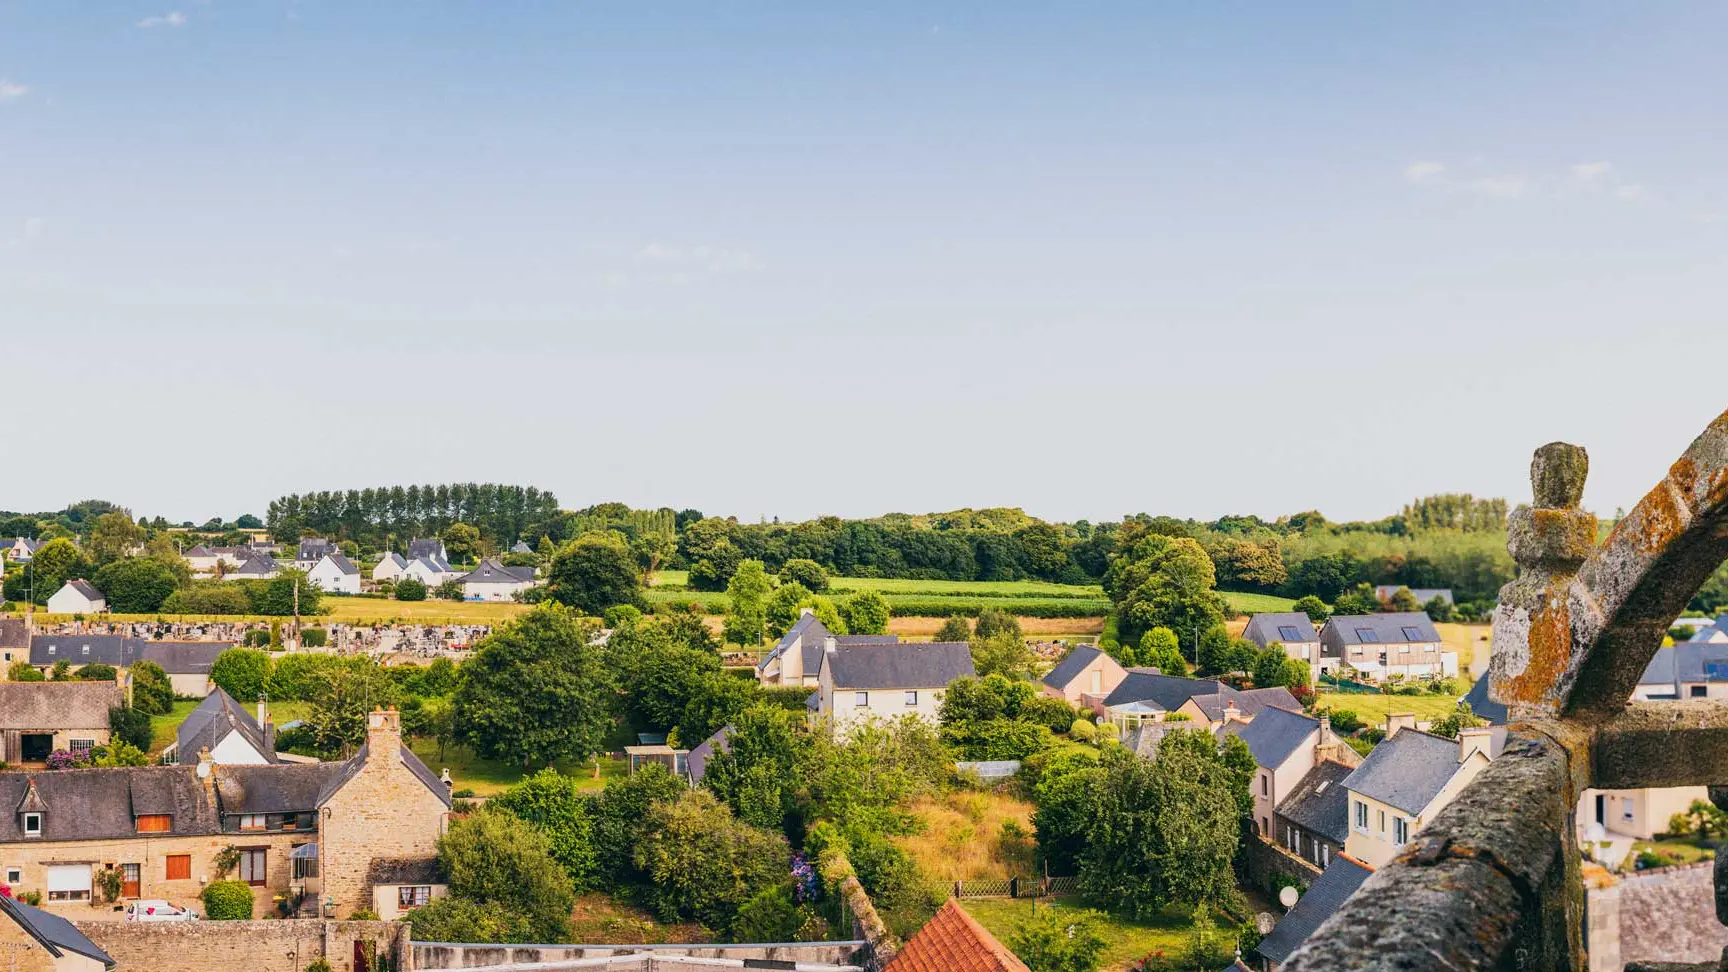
203 771
1264 922
1287 897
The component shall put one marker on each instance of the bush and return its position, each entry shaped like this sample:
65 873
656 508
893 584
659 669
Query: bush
256 639
319 964
1054 713
296 677
243 673
130 726
97 672
1083 731
1345 721
410 589
997 739
228 901
20 671
209 597
314 638
152 693
451 919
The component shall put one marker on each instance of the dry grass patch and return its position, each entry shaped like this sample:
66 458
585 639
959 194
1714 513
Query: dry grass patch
923 627
972 836
599 919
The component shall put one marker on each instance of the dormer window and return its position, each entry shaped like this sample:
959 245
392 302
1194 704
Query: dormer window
32 825
51 649
154 823
86 649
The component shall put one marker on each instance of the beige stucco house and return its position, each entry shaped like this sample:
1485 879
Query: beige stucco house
1085 671
1405 781
796 659
1286 745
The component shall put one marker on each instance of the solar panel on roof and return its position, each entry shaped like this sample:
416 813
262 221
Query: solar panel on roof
1413 634
1367 636
1289 633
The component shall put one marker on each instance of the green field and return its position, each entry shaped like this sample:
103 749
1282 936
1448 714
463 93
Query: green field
925 597
1373 708
489 776
1129 941
1248 603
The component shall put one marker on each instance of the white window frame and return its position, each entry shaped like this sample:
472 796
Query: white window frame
84 746
14 876
860 700
254 821
911 696
1400 831
1627 809
1361 820
1382 822
32 831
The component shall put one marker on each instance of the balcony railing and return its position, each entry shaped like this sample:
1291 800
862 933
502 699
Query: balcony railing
1493 882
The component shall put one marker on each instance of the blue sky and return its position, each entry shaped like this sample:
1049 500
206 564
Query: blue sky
790 259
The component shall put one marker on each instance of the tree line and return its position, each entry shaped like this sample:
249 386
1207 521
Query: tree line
373 517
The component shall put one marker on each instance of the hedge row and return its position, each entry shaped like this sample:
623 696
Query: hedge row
950 607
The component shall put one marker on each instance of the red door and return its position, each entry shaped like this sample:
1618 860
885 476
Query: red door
129 887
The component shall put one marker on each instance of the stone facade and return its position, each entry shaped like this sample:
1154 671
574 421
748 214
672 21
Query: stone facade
826 955
1265 862
151 854
24 953
1663 914
383 811
233 946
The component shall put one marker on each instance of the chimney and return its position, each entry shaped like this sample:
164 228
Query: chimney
449 784
207 773
1399 720
384 736
1475 739
263 710
1231 713
829 644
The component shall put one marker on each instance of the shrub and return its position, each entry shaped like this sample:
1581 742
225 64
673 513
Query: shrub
314 638
363 914
109 881
297 677
152 693
450 591
130 726
1054 713
319 964
209 597
242 672
20 671
1052 941
256 639
1346 721
1083 731
228 901
997 739
409 589
97 672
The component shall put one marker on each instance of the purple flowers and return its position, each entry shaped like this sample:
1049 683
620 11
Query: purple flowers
60 759
803 879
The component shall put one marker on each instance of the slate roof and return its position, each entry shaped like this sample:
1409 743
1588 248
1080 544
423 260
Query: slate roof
199 551
13 634
521 547
1144 740
1273 735
1388 628
85 589
175 657
103 803
1687 663
257 565
211 722
1484 707
420 547
890 666
1249 702
1167 691
342 563
1320 803
1070 667
1326 895
1408 770
1715 631
1264 629
491 571
55 934
58 705
806 624
953 941
697 760
391 556
314 549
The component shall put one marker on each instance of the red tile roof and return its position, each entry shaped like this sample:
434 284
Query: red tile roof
954 942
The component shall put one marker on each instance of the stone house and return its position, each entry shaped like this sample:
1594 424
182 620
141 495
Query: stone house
1406 781
77 596
187 663
14 643
1312 822
1377 646
1086 670
1286 745
859 683
35 941
39 718
796 658
311 829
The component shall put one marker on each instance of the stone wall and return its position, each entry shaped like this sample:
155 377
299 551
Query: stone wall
1663 914
1264 862
437 955
253 946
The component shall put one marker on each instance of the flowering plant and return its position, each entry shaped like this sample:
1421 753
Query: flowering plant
803 879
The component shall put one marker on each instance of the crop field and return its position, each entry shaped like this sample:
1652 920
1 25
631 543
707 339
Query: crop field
371 610
931 598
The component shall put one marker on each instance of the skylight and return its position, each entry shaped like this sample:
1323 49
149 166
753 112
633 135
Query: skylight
1414 634
1289 633
1367 636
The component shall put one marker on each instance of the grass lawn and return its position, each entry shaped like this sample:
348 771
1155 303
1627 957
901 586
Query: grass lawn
1373 708
1128 940
598 919
488 776
1680 851
1248 603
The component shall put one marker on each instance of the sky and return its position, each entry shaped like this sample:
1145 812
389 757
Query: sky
791 259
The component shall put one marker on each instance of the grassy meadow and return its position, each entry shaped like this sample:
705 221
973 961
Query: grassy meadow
1373 708
1128 940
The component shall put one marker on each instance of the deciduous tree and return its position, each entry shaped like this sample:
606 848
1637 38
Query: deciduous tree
536 690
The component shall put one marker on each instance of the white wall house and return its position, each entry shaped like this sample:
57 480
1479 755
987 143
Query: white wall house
390 568
77 597
430 571
860 683
492 581
335 574
259 567
201 559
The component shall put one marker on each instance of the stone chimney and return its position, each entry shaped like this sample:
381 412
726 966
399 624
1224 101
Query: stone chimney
384 736
1475 739
1399 720
830 644
207 774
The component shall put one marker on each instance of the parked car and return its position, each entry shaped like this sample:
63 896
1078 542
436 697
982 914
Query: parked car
158 911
